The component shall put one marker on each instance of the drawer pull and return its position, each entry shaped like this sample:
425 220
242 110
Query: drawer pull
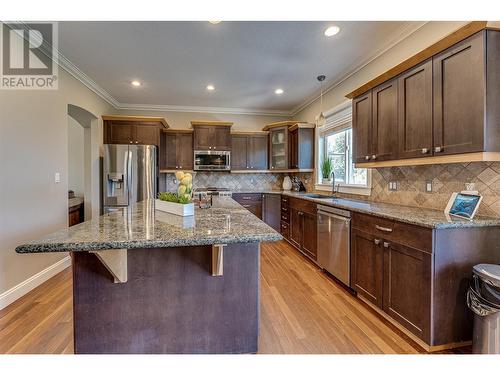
386 245
284 217
247 205
247 198
383 229
438 149
376 241
425 150
284 209
367 157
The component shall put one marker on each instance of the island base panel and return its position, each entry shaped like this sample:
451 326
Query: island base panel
170 303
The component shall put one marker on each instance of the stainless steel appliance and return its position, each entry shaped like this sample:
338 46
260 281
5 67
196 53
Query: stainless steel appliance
212 160
334 242
129 175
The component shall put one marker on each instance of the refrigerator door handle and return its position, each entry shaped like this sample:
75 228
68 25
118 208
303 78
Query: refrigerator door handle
129 176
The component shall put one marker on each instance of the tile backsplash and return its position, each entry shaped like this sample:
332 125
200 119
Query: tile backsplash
235 181
445 178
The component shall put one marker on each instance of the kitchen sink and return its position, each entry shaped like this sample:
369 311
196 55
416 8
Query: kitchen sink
318 196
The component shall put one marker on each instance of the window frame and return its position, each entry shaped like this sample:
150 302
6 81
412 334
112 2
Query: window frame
338 119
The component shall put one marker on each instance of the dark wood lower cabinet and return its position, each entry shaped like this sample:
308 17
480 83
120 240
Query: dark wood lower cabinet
75 215
251 201
302 230
407 287
271 210
366 266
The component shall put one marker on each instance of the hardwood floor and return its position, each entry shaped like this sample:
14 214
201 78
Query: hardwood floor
302 311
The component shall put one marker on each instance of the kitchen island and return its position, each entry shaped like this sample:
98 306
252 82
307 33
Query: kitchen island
145 281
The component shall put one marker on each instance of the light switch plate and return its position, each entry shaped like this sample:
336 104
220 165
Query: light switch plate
428 186
57 177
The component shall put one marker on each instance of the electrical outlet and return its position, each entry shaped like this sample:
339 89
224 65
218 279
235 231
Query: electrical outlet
428 186
393 185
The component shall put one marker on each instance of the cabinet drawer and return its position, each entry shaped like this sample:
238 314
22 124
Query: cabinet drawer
285 229
285 216
247 197
303 205
405 234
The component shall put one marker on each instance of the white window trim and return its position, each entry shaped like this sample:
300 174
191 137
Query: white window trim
337 117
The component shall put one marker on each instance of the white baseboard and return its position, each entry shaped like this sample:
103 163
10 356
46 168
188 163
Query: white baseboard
11 295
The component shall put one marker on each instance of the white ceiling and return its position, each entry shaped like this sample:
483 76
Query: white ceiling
245 61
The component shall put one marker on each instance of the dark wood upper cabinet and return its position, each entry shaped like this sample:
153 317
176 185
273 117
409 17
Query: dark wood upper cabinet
362 128
176 150
459 97
445 105
291 145
258 152
132 129
212 135
385 121
271 210
249 152
415 112
301 148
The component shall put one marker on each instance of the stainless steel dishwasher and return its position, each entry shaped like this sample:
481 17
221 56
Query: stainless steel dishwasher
334 242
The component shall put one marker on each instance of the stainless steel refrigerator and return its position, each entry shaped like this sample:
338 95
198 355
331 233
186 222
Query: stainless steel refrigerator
129 175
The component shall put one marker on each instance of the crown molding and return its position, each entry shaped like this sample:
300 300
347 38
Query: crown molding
197 109
406 31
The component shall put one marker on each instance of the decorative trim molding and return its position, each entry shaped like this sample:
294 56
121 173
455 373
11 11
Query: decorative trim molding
16 292
405 33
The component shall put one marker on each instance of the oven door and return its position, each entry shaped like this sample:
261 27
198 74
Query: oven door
212 160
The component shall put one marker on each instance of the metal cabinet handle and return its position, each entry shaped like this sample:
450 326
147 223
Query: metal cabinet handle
438 149
367 157
284 209
136 141
376 241
374 157
247 198
215 147
283 217
246 205
386 244
425 150
383 229
180 166
131 142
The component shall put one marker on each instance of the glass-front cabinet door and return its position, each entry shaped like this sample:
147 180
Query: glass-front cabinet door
278 156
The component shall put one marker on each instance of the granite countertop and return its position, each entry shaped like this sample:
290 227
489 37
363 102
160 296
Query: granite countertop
141 226
72 202
424 217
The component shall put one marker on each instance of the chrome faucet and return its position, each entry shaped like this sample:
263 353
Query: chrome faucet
333 183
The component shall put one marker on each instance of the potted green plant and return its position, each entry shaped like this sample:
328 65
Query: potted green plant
179 203
326 170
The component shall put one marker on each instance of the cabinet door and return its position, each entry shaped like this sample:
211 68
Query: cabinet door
293 149
407 287
147 134
168 151
221 138
367 266
203 137
295 227
119 132
185 151
415 112
362 127
385 121
278 147
304 149
309 235
239 152
459 97
271 214
257 152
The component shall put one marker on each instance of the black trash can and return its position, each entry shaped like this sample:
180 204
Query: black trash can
483 298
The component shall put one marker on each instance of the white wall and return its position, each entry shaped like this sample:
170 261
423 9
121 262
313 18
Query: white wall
182 120
419 40
75 157
33 146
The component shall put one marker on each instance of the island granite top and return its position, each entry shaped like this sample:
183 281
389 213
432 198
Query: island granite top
141 226
424 217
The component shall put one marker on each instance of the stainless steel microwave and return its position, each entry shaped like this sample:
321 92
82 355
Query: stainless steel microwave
205 160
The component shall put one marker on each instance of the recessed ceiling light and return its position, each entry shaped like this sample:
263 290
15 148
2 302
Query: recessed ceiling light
210 88
332 30
136 83
214 22
278 91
